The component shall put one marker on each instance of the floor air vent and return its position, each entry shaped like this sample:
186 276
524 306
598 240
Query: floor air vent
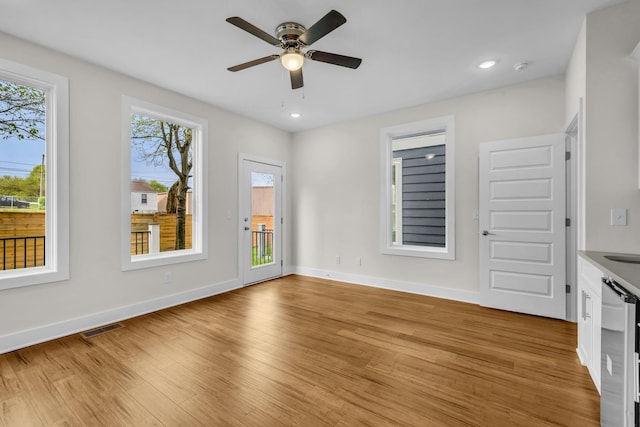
102 330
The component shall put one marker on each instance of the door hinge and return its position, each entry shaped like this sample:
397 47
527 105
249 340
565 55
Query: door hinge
567 222
568 289
567 155
281 262
281 220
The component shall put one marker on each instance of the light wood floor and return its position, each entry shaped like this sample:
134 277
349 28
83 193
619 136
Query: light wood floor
307 352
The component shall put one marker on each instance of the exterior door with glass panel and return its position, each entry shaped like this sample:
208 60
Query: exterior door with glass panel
260 221
522 225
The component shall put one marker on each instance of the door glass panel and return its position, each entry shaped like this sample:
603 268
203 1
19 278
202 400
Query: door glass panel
262 213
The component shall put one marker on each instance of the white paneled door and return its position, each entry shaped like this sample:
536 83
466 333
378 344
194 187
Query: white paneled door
261 220
522 225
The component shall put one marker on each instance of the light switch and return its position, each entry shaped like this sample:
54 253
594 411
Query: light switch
618 216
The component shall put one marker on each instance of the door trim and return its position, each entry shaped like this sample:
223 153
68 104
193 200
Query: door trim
575 206
283 167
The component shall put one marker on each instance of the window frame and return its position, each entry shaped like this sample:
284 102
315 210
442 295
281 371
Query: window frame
56 88
396 172
387 135
199 247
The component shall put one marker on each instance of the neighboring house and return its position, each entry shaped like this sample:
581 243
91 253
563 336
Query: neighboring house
144 199
162 202
262 201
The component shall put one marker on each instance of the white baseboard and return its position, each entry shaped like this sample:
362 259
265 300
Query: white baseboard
581 357
21 339
394 285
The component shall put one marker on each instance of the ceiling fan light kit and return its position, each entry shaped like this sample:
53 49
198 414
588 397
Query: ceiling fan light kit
292 59
292 38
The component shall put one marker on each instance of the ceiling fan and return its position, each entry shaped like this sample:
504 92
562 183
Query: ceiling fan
292 38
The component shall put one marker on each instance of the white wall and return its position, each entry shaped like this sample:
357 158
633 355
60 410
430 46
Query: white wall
576 74
611 119
336 186
98 289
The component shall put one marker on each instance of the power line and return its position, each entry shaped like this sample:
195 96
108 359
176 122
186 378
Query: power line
18 163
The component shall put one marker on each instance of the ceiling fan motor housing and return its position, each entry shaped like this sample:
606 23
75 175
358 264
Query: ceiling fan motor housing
289 33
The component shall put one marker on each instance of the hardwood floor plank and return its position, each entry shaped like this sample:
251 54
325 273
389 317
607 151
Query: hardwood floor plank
307 352
17 412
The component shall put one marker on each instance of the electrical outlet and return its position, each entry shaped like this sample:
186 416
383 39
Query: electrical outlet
167 277
618 216
338 259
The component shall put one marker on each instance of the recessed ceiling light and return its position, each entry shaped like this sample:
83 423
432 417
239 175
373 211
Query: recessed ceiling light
295 115
487 64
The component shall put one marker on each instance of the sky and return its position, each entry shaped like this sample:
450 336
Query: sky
140 170
18 158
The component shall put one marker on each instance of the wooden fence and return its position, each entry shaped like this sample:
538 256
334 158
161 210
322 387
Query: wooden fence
141 221
20 253
28 250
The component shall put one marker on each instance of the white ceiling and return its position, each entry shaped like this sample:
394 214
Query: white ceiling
413 51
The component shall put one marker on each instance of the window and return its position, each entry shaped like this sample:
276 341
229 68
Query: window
164 152
417 192
34 176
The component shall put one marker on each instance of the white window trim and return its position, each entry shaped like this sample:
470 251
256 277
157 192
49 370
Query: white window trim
387 135
199 247
397 163
56 266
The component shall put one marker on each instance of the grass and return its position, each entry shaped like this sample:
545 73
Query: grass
265 259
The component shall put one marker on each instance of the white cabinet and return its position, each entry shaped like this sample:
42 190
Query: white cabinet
589 317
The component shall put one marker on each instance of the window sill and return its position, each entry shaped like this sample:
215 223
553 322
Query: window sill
427 252
158 260
21 277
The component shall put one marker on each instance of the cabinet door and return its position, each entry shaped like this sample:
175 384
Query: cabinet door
596 325
585 329
589 320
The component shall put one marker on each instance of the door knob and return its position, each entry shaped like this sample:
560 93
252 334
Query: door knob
247 228
486 233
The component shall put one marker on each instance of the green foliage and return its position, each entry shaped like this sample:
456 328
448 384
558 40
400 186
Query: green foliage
160 188
22 111
41 203
29 186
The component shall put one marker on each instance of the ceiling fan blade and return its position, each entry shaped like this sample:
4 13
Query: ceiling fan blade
296 79
253 63
334 58
324 26
252 29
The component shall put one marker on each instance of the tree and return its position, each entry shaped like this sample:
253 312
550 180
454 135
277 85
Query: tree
160 188
31 184
22 111
17 186
158 142
10 185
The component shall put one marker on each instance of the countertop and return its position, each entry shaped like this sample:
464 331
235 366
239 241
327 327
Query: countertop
626 274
